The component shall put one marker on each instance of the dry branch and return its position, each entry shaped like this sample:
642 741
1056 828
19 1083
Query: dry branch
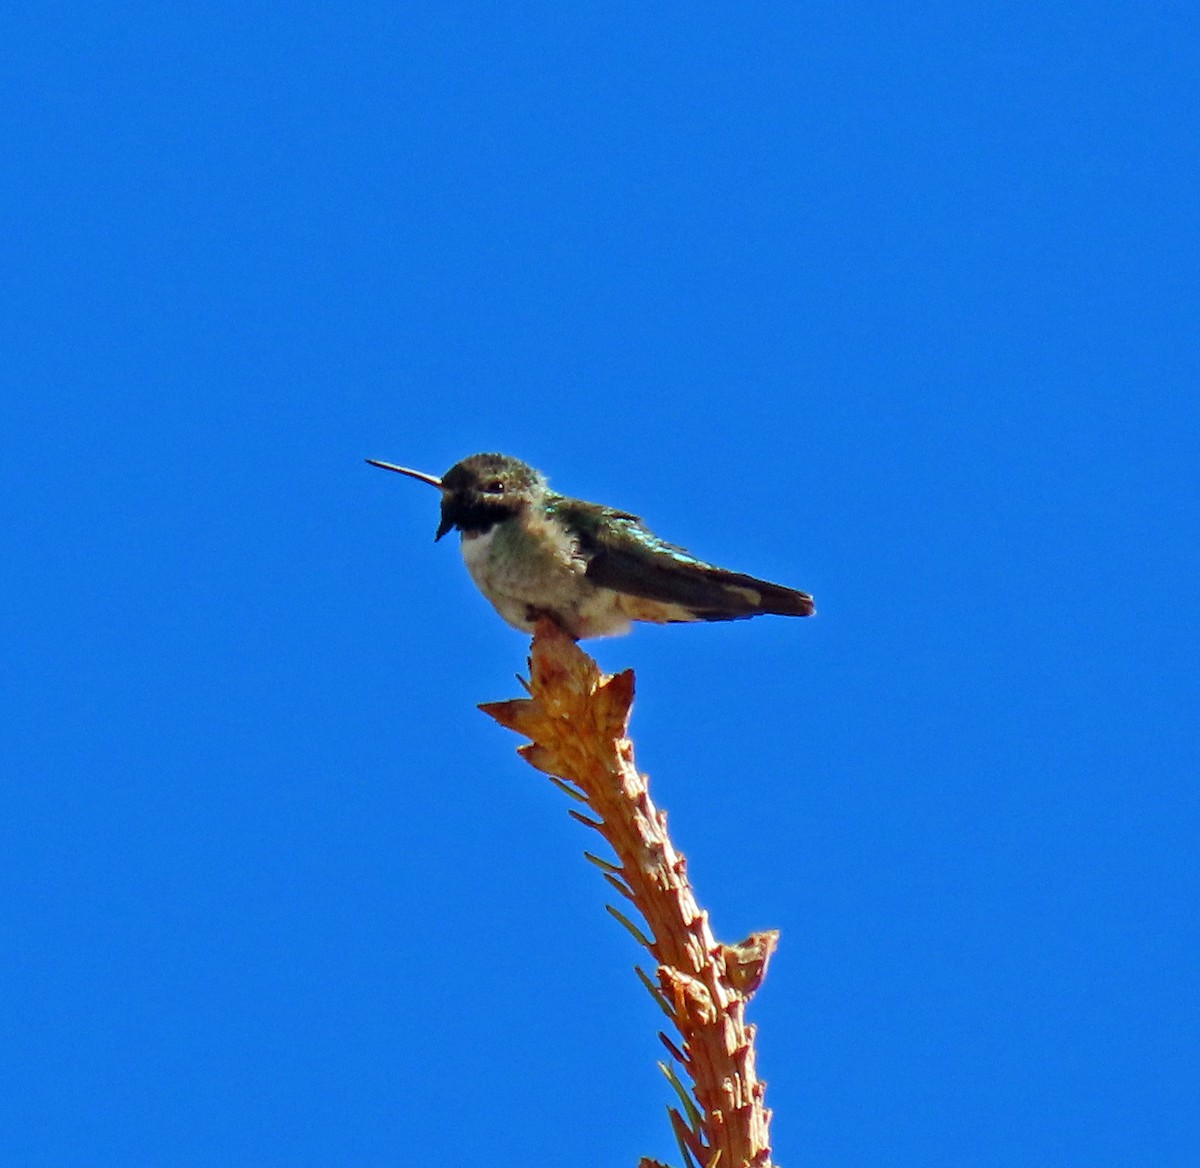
577 719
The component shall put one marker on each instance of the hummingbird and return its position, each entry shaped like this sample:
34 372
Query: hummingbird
591 569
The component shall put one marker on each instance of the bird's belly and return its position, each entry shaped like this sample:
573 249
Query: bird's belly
496 577
524 582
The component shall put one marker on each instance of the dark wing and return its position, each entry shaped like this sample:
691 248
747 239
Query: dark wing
626 556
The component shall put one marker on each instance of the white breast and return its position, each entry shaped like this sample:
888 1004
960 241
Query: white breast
537 568
475 551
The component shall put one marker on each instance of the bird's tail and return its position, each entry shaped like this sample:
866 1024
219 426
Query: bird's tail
742 596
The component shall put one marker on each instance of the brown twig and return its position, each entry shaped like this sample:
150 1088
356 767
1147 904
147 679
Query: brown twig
576 719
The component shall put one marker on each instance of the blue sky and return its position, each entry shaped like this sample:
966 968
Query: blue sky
897 304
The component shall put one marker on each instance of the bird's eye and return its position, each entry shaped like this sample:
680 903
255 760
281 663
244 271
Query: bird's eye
495 487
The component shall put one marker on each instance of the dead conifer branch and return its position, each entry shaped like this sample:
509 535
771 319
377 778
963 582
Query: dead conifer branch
577 719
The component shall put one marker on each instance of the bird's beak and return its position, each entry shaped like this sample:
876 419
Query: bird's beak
432 480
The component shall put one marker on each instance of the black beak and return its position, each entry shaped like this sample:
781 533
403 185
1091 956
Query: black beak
432 480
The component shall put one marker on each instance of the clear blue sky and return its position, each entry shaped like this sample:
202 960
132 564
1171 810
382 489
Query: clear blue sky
898 304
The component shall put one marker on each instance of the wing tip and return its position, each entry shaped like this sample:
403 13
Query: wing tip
788 602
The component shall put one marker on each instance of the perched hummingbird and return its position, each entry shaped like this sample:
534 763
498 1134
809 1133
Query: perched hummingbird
591 569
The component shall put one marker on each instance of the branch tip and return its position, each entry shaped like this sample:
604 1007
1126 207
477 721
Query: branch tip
637 933
672 1049
593 823
603 864
576 721
654 992
620 886
565 787
695 1119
